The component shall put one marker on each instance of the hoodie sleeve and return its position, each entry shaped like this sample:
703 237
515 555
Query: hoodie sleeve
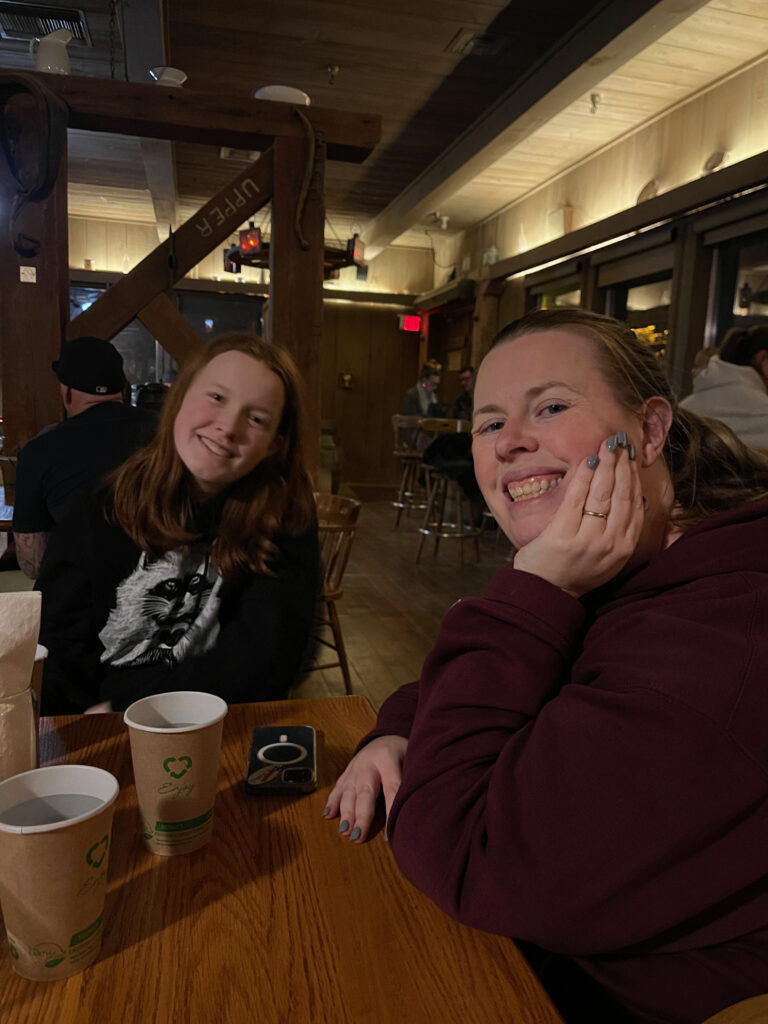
584 817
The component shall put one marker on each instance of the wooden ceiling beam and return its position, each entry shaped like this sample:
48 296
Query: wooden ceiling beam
171 328
160 169
161 268
599 45
186 115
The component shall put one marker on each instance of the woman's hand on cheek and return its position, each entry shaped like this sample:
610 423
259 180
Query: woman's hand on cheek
578 551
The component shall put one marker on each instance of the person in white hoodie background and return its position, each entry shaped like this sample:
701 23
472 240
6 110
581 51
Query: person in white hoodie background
733 386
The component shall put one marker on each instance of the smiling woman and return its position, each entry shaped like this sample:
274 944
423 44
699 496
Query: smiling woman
582 764
196 566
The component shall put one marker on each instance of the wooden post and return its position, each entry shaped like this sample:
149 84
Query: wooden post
34 301
688 310
296 269
485 321
183 115
590 294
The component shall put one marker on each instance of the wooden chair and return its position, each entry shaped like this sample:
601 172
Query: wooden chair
447 505
337 521
748 1011
411 494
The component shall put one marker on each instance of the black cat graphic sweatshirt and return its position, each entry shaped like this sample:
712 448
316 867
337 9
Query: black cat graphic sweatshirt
119 625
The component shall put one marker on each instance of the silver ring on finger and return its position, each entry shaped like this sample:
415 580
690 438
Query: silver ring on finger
597 515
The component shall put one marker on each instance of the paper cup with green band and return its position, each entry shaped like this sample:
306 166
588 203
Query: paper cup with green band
175 747
55 834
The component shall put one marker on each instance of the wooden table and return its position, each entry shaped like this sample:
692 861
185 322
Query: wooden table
277 920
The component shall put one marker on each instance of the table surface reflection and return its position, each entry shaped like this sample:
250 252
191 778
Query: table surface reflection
277 920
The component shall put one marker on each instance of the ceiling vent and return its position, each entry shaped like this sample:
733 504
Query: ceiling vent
467 43
28 21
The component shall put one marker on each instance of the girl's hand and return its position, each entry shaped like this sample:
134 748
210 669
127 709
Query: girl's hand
577 551
377 768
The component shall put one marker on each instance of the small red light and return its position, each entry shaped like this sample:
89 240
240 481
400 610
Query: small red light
250 240
411 323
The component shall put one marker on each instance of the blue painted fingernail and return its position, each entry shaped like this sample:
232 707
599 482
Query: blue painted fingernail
592 461
612 443
621 437
327 811
354 834
631 451
343 827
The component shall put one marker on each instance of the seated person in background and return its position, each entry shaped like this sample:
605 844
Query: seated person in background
151 396
197 567
422 399
65 461
583 764
733 387
462 407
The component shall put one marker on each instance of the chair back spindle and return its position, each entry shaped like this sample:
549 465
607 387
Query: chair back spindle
336 524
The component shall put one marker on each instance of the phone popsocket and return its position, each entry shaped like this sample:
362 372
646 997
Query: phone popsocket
282 759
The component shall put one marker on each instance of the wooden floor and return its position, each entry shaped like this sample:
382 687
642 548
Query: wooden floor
392 607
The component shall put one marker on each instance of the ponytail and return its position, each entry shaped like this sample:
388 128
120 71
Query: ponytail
711 469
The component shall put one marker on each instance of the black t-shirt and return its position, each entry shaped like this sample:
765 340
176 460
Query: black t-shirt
57 467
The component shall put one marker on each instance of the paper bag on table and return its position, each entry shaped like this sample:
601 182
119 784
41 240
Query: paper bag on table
19 628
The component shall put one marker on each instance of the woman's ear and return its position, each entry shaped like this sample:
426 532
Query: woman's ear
657 420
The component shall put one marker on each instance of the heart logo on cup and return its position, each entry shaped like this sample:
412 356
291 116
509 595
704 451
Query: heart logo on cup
174 762
97 852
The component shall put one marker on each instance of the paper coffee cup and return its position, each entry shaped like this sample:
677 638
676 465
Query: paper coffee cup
175 746
55 828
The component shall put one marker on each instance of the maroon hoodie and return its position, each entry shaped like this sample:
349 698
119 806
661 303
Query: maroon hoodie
592 776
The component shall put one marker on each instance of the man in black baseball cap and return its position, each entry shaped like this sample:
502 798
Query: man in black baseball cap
90 365
59 465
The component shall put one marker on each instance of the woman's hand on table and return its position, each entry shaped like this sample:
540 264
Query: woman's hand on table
597 526
377 768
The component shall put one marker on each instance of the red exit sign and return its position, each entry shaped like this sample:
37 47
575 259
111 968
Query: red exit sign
410 322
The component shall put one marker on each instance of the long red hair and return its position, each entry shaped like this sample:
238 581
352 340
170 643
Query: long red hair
153 494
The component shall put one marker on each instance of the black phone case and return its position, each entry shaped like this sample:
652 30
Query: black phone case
282 760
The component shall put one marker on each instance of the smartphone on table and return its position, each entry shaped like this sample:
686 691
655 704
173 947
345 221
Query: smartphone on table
282 759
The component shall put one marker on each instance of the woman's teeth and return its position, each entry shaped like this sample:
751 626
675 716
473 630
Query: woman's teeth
532 488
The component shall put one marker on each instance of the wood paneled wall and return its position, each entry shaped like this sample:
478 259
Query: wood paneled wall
366 341
732 117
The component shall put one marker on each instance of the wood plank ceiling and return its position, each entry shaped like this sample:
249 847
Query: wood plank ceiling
720 38
434 71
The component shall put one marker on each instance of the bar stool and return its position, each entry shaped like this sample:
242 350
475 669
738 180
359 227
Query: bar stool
447 505
411 494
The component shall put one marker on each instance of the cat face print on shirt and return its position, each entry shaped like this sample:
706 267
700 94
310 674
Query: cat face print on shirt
165 611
